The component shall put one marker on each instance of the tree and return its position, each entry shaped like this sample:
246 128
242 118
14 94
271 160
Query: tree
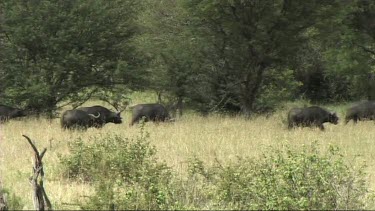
348 38
171 49
362 21
250 38
54 50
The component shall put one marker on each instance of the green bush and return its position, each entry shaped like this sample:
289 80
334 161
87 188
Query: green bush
124 172
286 179
126 175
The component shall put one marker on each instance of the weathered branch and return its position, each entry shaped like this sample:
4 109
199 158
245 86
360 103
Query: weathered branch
32 145
90 94
225 96
116 105
366 49
40 199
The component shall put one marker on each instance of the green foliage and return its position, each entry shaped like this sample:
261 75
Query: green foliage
282 179
248 44
173 51
278 86
287 179
126 175
213 56
118 97
348 39
56 49
124 172
230 55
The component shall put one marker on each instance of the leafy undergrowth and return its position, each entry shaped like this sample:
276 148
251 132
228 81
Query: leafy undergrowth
127 175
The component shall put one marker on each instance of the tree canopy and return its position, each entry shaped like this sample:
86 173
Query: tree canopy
221 55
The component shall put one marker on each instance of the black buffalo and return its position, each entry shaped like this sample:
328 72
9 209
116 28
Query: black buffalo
310 116
361 111
106 116
7 112
150 112
77 119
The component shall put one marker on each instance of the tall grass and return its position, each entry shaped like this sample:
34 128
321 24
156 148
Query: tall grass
211 139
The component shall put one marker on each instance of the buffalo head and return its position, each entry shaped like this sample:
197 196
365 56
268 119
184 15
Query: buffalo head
333 118
115 118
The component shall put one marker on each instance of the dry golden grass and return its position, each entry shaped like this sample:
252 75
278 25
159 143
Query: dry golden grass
211 138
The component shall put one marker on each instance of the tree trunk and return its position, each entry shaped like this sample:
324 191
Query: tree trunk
371 86
159 93
179 106
50 107
250 89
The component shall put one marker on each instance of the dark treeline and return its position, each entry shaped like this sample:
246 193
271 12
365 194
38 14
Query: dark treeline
216 55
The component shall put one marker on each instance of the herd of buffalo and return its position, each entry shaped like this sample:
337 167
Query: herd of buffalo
98 116
316 116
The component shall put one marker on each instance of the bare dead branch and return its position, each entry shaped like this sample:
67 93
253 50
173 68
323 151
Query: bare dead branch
40 199
32 145
42 154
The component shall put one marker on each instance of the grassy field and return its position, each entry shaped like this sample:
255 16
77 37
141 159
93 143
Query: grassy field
208 138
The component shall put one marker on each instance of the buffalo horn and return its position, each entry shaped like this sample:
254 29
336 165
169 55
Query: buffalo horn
95 116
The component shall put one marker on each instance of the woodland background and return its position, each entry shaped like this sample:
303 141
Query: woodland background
211 56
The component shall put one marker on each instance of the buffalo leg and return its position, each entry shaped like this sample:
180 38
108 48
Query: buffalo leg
134 120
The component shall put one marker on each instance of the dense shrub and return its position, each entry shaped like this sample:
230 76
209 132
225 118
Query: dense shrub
124 172
286 179
126 175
